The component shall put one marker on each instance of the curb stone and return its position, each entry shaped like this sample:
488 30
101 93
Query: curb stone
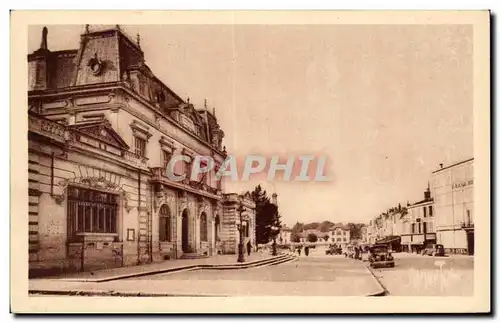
113 294
384 291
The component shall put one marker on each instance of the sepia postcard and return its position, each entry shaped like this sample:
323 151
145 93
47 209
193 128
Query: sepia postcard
250 162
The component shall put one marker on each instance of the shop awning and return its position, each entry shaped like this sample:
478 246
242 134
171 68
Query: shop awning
391 239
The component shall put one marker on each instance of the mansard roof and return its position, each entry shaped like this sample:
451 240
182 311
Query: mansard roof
110 56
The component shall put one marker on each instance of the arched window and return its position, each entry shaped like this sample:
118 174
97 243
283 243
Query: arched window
165 223
203 227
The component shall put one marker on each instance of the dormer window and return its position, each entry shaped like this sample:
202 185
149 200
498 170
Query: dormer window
188 123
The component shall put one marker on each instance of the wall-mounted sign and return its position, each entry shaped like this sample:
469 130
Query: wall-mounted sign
463 184
130 234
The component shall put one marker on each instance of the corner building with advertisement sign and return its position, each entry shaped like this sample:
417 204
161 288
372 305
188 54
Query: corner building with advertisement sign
453 192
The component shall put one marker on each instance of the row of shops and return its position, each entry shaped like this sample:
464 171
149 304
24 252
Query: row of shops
444 216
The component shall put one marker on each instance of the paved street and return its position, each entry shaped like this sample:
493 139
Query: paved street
313 275
416 275
308 276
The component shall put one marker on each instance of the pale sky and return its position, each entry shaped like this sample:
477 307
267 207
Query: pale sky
386 104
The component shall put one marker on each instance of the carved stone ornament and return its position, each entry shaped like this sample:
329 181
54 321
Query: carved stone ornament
165 199
126 205
60 198
99 182
159 201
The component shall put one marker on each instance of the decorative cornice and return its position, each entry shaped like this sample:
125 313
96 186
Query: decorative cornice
167 143
139 128
99 88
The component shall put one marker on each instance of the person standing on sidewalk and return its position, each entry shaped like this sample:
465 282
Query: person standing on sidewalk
306 250
249 248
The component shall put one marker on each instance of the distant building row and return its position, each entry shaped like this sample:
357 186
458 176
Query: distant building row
445 215
337 234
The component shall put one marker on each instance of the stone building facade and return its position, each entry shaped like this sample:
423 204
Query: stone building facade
239 213
453 190
418 224
285 235
102 129
340 235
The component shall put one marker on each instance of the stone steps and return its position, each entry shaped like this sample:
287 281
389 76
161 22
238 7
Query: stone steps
193 255
281 258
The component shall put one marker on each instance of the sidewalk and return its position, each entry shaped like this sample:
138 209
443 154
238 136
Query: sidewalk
130 271
363 286
416 255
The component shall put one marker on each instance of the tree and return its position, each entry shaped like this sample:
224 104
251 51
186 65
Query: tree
325 226
326 237
295 237
267 216
298 227
313 226
355 230
311 237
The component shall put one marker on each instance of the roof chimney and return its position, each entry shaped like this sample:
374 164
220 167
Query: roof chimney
441 165
43 44
427 193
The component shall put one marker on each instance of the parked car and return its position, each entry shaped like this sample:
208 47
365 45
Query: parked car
284 247
333 250
365 256
380 256
434 250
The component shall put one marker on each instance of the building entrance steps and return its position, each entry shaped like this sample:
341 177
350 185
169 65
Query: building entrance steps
215 262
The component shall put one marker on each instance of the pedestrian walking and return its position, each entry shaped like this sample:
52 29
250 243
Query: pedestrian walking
249 248
299 249
306 251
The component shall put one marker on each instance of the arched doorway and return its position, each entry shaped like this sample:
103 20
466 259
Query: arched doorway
185 231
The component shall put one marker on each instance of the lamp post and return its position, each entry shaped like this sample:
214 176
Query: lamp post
274 232
241 253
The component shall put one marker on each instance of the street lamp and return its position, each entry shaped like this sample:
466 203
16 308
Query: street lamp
241 254
274 230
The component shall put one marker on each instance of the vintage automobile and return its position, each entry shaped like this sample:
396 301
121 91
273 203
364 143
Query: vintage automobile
379 256
434 250
333 250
